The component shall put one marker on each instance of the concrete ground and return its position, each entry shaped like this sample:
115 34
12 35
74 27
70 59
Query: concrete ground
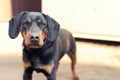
94 62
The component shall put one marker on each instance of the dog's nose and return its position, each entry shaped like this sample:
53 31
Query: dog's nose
34 39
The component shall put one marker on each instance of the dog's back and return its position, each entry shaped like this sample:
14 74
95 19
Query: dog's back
66 43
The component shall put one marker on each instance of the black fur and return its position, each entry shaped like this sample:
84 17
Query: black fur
45 59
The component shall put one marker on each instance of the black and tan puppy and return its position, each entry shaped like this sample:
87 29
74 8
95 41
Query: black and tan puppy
44 44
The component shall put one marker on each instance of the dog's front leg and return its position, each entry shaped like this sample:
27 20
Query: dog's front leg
52 76
27 74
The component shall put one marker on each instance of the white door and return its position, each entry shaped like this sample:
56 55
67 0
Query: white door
94 19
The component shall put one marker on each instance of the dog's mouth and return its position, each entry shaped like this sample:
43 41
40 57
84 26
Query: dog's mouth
34 46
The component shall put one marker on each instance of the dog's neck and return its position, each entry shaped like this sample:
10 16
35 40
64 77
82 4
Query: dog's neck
43 51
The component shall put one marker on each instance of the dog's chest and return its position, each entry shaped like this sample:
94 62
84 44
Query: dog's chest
42 64
38 59
46 67
38 66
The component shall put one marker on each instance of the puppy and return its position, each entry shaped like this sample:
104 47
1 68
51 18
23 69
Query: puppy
44 44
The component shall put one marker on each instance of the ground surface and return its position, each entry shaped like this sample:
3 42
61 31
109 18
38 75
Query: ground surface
95 62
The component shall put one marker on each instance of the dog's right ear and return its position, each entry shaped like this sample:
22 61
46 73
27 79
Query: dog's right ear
53 28
14 25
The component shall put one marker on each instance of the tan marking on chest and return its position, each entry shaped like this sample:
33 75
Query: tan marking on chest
48 68
26 65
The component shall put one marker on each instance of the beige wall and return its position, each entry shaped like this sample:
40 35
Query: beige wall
5 10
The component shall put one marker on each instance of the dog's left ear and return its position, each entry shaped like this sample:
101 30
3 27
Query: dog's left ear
14 25
53 28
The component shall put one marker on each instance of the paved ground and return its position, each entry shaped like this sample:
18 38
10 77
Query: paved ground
95 62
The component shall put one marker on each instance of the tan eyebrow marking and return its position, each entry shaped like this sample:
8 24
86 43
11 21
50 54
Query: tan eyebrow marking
29 20
39 20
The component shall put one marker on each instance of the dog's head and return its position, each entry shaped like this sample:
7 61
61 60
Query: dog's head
35 27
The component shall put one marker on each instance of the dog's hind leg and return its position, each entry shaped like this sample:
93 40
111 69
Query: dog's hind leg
73 63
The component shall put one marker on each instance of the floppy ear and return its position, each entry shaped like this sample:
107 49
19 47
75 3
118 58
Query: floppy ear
14 25
53 28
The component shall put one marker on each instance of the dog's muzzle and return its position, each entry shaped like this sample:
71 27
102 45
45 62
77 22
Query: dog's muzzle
34 42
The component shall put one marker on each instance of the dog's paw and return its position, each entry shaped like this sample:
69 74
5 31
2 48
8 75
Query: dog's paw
76 78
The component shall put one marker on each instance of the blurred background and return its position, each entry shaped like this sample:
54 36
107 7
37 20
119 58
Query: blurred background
94 23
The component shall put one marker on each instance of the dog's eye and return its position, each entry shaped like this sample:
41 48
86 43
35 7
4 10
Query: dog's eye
42 24
25 23
28 23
